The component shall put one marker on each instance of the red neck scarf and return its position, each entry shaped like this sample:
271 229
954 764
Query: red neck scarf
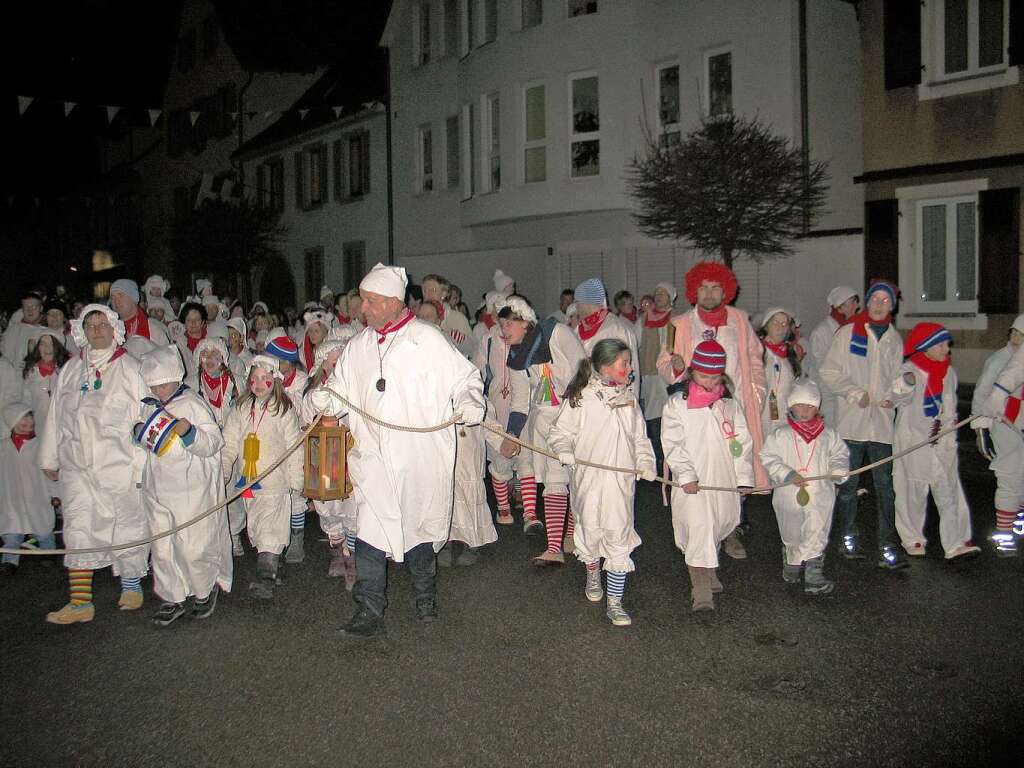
840 318
862 320
591 324
715 317
488 320
307 352
808 430
290 378
779 350
656 319
19 439
214 388
631 316
137 325
46 368
194 342
698 397
343 319
401 322
934 369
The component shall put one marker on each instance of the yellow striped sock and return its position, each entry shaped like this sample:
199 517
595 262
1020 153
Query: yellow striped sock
81 587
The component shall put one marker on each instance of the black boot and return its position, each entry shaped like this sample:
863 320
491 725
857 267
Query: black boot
266 576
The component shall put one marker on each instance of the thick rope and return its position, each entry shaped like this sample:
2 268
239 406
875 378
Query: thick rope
182 526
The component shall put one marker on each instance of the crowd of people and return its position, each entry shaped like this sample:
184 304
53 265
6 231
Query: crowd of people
129 419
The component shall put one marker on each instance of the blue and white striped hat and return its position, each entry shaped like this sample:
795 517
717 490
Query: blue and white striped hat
591 291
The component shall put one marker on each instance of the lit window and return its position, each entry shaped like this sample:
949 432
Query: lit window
585 144
535 166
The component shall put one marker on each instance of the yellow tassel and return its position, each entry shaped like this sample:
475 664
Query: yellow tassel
250 455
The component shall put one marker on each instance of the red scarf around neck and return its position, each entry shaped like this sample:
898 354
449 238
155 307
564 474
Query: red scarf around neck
779 350
307 352
591 324
808 430
935 370
715 317
631 316
194 342
401 322
19 439
656 319
840 318
862 320
343 319
289 378
487 320
138 325
214 388
46 368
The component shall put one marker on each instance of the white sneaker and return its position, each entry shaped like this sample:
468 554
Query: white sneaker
616 613
593 590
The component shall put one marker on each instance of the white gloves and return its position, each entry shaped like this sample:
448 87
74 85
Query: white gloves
567 459
649 475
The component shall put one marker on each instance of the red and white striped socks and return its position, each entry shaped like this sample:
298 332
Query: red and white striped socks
1004 520
500 493
528 486
570 526
555 507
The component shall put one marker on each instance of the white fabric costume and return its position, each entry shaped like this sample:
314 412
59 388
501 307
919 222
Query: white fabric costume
11 383
614 327
934 468
606 428
472 521
14 344
88 439
1008 464
24 491
501 383
778 374
181 484
403 480
696 445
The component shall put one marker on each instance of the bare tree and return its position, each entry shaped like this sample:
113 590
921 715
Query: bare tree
729 187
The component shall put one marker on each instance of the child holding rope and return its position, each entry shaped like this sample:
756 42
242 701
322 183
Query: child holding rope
805 447
925 396
600 421
181 479
706 442
259 429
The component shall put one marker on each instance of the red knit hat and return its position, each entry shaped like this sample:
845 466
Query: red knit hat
923 336
713 272
708 357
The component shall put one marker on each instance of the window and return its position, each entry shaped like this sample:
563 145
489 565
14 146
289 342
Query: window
425 152
358 164
970 38
451 152
535 161
187 50
275 183
718 82
311 177
314 270
947 245
468 151
490 20
533 13
584 129
491 142
353 256
452 27
581 7
668 104
211 36
421 20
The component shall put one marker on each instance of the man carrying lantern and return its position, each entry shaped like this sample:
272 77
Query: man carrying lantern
404 372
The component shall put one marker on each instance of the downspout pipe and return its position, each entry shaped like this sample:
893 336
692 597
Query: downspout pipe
805 132
387 129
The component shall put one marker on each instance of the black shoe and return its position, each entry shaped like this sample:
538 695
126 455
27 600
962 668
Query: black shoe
850 548
202 609
362 625
168 613
426 610
892 559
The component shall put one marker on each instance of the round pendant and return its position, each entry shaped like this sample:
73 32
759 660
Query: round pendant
97 384
381 384
803 498
735 448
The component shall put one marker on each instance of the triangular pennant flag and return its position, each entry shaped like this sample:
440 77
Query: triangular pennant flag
112 113
337 112
303 113
154 115
193 116
23 104
68 106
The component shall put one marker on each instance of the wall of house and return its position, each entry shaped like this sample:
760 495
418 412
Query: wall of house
577 227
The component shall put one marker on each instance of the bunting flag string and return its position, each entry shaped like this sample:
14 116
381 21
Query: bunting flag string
68 106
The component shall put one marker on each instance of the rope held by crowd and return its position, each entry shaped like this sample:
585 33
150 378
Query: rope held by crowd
492 427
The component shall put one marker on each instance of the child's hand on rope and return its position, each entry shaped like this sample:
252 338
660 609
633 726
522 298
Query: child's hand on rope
566 459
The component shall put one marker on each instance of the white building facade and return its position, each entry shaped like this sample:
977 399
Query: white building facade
515 122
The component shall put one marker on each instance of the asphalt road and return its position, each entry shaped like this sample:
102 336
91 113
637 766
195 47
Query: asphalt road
917 668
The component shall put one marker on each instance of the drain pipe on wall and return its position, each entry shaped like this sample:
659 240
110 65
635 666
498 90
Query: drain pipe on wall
805 133
387 129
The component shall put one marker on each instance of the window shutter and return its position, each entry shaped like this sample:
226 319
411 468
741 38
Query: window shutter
365 148
1016 49
336 168
299 184
881 241
901 21
999 253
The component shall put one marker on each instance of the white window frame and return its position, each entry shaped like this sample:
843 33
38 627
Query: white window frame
667 128
590 135
962 315
417 37
487 150
424 179
706 57
935 83
528 144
